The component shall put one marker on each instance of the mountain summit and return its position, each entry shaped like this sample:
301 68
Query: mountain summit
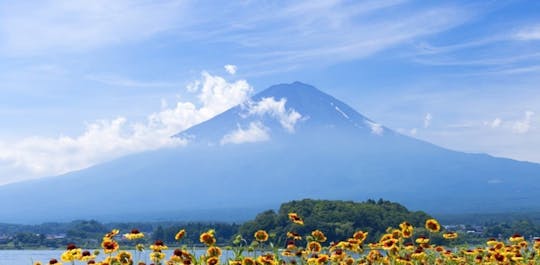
284 109
290 141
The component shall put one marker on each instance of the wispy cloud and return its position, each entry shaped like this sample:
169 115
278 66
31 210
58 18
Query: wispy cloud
529 33
523 126
115 80
427 120
107 139
30 28
256 132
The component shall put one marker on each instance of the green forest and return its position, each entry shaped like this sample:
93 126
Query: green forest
337 219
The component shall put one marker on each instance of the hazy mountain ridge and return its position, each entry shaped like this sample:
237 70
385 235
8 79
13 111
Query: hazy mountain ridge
326 151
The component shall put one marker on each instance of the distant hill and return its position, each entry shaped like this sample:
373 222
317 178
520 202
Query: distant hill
337 219
289 142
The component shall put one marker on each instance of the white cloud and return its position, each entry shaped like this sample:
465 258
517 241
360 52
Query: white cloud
413 131
495 123
529 33
256 132
427 120
32 28
231 69
276 109
376 128
107 139
523 126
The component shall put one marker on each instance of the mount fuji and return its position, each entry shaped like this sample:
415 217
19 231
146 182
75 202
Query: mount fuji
290 141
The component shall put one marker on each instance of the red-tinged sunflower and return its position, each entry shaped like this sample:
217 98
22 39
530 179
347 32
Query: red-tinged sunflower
296 219
492 242
208 238
314 246
406 229
180 234
499 257
54 262
433 226
419 254
261 236
213 251
450 235
516 238
323 259
389 244
212 261
294 236
422 240
248 261
37 263
318 236
158 246
87 256
360 236
396 234
71 254
291 245
111 234
134 234
109 246
267 259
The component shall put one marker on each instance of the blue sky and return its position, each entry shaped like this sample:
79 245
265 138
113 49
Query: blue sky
82 82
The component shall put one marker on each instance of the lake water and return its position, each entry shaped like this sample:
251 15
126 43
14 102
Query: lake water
25 257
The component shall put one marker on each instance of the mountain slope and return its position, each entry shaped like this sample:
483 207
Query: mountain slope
288 142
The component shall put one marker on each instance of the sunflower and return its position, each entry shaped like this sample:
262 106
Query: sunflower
314 246
261 236
294 236
360 236
208 238
267 259
109 246
450 235
213 251
212 261
248 261
157 256
54 262
433 226
87 256
296 219
389 244
158 246
111 234
318 235
72 253
134 234
406 229
180 234
323 259
422 240
37 263
125 258
516 238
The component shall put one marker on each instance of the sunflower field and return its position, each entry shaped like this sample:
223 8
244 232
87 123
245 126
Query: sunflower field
404 244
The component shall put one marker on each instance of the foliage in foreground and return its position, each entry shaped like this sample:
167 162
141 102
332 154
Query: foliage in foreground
400 245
